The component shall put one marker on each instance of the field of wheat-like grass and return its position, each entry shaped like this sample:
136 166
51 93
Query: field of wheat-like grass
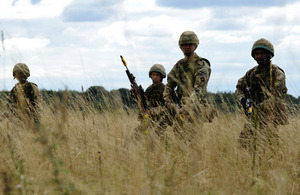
79 150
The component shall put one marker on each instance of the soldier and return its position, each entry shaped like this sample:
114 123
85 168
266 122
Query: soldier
154 93
189 76
25 97
261 92
155 100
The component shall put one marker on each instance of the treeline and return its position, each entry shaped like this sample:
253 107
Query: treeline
101 99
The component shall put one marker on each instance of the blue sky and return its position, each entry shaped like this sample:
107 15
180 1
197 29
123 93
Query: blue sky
74 43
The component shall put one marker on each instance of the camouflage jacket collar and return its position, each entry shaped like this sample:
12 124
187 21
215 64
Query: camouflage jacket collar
22 84
194 57
264 68
157 85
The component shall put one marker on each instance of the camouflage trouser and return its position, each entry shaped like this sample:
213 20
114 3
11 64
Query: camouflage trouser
185 123
26 116
261 126
262 136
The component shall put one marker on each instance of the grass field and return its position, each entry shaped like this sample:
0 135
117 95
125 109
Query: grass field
82 151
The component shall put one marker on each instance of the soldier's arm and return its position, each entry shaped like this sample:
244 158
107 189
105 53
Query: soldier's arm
279 87
35 95
240 89
169 88
12 96
11 102
201 79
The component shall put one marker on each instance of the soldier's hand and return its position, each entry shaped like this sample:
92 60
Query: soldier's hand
133 93
132 90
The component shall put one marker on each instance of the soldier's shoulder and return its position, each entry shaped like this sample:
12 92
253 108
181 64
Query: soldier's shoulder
200 60
31 86
31 83
180 62
161 86
16 85
277 68
252 70
13 90
248 75
176 67
149 88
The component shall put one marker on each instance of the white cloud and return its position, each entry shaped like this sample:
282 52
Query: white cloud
144 33
137 6
228 37
26 44
25 10
290 42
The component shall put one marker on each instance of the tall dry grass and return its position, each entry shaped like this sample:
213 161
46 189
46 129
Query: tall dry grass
78 150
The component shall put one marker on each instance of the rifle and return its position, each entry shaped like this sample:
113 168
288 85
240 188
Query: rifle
139 93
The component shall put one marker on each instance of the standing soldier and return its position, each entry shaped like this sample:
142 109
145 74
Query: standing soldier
189 76
155 100
25 97
261 92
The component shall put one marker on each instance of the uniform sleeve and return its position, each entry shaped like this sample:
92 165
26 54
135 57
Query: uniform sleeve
147 92
12 96
279 92
169 88
36 96
240 88
12 99
148 96
279 86
202 76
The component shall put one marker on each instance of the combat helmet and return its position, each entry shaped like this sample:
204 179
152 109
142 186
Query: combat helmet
158 68
188 37
262 44
23 68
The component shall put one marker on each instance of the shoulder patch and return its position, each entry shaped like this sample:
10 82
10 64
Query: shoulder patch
284 90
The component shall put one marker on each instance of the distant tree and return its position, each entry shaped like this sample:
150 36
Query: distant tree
101 99
224 101
126 97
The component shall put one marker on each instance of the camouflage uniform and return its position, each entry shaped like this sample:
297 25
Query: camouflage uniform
266 88
25 97
156 106
189 78
154 95
155 116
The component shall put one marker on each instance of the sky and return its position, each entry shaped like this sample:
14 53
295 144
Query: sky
75 44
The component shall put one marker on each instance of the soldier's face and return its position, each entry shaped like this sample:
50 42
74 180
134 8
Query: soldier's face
262 57
188 49
156 77
20 76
